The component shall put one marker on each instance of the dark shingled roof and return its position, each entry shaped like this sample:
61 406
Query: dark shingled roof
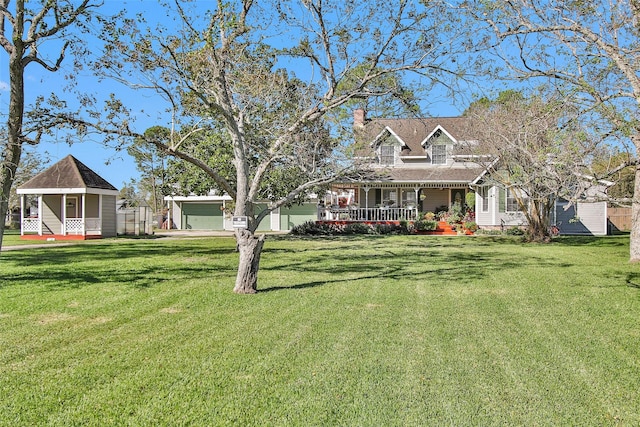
414 131
68 173
444 174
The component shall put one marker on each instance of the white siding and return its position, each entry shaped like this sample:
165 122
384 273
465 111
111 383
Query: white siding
51 214
434 198
484 218
495 218
176 215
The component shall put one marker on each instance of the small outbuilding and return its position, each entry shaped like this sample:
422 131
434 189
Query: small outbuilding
68 201
134 217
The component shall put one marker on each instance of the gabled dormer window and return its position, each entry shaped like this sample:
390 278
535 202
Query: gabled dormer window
438 143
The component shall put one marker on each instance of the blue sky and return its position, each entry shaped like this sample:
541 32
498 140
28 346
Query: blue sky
117 167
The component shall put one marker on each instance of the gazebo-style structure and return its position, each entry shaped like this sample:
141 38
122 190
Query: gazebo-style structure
72 202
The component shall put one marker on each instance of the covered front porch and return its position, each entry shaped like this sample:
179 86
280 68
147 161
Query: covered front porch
389 202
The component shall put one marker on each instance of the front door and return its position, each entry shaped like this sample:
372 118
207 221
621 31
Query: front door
71 207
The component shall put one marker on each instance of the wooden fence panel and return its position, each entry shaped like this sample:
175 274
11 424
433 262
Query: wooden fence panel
620 218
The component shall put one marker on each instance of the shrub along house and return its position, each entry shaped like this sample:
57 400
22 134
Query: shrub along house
67 201
427 165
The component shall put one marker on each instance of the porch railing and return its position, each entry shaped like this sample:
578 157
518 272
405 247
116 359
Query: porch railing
357 214
79 225
30 225
72 225
93 226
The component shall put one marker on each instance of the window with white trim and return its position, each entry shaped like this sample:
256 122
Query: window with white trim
389 197
408 198
387 154
483 192
512 202
439 154
438 143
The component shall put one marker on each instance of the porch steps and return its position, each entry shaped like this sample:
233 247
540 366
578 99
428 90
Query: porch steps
443 229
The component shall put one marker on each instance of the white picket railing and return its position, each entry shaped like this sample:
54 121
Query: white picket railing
357 214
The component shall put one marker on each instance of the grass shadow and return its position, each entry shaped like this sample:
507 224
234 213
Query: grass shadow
138 264
599 241
437 261
633 280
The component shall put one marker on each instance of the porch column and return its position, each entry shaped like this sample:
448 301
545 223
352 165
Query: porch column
40 218
64 215
100 215
84 214
22 214
366 189
417 190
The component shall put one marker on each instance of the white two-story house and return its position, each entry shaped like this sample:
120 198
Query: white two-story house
426 165
420 165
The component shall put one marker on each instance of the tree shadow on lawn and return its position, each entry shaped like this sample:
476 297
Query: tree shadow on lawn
406 265
65 267
106 252
78 278
599 241
140 277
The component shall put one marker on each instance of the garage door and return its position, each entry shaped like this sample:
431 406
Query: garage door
202 216
297 214
265 224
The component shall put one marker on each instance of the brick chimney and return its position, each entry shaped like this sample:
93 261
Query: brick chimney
359 118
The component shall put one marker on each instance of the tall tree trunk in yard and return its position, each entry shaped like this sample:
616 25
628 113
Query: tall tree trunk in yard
13 145
10 160
22 34
634 242
539 219
250 249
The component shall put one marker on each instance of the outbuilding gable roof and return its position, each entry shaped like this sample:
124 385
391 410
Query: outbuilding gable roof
68 173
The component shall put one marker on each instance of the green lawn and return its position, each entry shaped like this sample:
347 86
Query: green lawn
367 331
12 238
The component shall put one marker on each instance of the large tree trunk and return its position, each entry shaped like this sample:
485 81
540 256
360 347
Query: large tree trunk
250 248
538 219
9 164
13 148
634 243
538 232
